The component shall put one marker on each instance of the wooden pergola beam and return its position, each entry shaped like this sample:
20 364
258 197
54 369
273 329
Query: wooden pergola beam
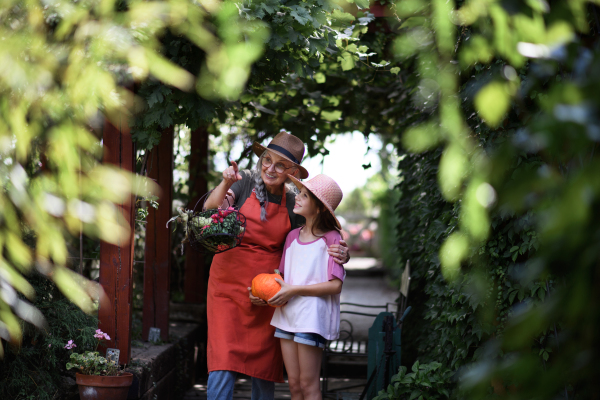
116 261
157 264
195 280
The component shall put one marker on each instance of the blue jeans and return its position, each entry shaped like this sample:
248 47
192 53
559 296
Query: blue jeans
220 387
310 339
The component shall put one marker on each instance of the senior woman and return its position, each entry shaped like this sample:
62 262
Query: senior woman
240 336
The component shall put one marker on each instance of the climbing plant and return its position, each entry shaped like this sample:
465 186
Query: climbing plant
355 88
459 315
500 192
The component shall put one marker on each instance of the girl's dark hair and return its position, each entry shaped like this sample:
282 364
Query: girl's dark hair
324 221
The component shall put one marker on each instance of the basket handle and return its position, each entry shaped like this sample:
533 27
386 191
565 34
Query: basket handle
205 197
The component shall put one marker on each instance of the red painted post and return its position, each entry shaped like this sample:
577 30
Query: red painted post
43 162
379 10
116 261
157 264
195 281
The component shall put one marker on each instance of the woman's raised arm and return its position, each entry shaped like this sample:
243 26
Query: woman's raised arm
217 196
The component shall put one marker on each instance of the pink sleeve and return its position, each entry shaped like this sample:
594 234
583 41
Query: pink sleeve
334 270
288 240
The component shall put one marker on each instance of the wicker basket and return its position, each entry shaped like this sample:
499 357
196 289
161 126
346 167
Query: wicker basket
215 230
216 237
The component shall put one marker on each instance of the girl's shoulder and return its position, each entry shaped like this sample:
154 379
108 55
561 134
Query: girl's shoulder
294 234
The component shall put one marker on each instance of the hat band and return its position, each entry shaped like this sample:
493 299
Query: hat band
284 152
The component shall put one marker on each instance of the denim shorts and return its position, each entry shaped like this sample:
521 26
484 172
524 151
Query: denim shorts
310 339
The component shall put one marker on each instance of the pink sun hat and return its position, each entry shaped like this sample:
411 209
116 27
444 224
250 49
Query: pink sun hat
325 189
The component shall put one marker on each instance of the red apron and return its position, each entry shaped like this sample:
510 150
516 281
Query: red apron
240 335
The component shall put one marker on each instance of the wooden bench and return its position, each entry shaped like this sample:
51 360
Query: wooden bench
347 349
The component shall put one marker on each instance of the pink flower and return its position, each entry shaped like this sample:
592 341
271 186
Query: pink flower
50 345
221 219
101 335
231 209
70 345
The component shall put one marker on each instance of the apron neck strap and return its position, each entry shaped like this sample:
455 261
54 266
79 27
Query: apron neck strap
283 200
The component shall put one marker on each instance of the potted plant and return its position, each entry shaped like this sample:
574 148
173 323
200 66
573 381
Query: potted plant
98 378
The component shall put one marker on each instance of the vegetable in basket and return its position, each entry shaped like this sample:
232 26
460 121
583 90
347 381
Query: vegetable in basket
211 230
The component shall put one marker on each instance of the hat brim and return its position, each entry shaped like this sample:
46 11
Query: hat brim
259 149
300 185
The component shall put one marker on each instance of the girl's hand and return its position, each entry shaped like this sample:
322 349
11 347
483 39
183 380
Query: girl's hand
285 293
255 300
339 252
231 175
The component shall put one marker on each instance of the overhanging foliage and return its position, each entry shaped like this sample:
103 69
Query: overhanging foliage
69 66
502 238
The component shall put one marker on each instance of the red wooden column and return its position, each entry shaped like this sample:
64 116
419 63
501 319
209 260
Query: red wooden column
195 282
157 265
116 261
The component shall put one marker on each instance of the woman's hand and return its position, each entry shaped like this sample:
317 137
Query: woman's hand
339 252
285 293
255 300
231 175
221 195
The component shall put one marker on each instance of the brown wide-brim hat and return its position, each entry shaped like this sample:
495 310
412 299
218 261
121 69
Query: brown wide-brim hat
287 146
325 189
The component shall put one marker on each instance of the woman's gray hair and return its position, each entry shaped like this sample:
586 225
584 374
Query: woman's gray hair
261 189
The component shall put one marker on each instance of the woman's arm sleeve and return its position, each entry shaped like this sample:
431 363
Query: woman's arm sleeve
238 187
334 270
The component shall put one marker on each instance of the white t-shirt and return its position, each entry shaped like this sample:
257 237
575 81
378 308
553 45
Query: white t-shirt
307 264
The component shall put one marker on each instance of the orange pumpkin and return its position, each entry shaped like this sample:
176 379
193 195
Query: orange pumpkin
264 286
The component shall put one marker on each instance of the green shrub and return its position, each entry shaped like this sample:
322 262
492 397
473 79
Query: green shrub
36 369
425 382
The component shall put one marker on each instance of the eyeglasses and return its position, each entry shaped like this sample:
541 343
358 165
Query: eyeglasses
279 167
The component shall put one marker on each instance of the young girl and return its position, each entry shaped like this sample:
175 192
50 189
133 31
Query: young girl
310 291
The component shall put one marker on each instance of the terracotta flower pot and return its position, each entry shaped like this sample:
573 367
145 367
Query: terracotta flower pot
96 387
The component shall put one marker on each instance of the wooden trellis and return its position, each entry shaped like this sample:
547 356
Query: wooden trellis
116 261
157 265
195 281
